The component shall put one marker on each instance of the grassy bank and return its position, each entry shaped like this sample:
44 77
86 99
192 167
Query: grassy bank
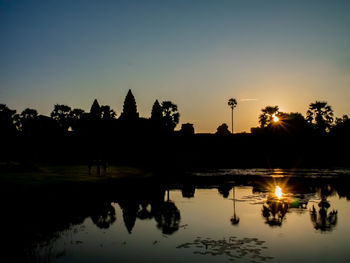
17 176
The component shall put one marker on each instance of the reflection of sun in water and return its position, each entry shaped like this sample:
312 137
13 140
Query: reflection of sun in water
278 192
275 118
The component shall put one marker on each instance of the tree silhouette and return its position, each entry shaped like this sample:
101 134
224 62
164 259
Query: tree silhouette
129 108
342 126
342 120
321 115
232 103
267 115
223 129
75 116
61 114
171 115
293 123
7 120
27 121
282 123
29 114
107 112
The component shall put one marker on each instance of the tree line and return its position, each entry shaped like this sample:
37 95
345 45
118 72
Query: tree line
319 120
63 119
164 118
100 136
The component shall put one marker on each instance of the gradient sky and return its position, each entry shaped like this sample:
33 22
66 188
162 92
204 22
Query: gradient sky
197 54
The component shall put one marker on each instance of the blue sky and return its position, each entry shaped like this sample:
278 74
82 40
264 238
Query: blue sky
197 54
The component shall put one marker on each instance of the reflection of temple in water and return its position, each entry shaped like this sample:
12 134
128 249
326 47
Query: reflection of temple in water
48 217
143 207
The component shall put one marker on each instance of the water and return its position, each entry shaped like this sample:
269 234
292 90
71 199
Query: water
205 219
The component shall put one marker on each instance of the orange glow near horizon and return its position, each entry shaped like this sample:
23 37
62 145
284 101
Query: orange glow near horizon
275 118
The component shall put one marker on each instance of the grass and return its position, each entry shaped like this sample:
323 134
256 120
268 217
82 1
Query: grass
28 176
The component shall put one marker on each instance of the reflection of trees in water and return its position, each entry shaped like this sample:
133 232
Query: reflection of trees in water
343 189
326 190
274 211
103 215
167 216
165 213
224 190
46 218
323 220
232 247
47 221
235 219
144 211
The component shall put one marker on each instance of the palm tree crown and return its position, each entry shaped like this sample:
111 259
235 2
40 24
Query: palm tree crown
320 114
232 103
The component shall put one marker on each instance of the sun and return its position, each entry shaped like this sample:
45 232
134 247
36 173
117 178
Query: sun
278 192
275 118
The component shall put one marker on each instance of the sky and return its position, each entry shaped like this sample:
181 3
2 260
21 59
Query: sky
197 54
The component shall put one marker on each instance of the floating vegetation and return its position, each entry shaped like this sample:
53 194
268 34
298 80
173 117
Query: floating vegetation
232 247
254 199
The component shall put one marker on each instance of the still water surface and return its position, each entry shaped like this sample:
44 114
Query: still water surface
265 220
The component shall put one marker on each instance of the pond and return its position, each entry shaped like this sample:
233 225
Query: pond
228 218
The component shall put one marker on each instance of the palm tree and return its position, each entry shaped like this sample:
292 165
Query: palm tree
232 103
320 114
267 115
235 218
